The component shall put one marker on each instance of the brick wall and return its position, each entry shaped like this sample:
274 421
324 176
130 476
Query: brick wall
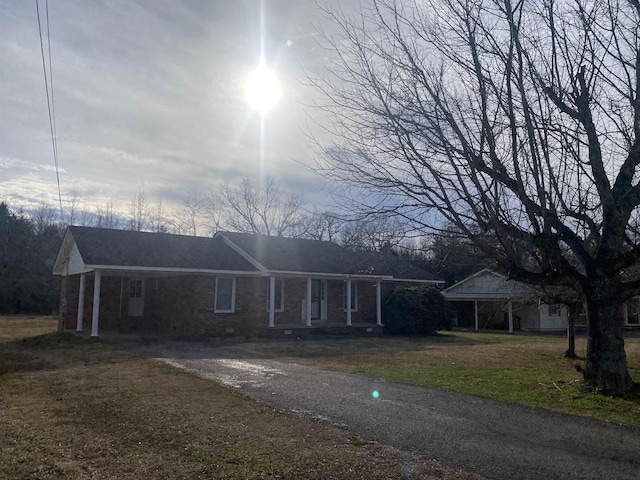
185 304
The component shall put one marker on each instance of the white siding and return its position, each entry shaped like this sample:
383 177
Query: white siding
489 284
553 322
69 260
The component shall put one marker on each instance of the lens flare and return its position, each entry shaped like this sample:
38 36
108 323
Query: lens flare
262 89
375 394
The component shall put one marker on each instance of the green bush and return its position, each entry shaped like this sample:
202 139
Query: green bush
416 311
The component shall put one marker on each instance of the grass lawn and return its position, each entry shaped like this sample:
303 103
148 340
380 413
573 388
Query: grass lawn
75 408
525 369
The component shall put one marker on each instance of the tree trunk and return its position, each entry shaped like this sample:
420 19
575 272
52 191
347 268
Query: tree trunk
571 331
606 367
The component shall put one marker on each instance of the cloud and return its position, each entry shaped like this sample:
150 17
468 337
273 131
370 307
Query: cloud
148 95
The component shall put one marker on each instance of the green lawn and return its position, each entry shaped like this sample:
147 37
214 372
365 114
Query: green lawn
526 369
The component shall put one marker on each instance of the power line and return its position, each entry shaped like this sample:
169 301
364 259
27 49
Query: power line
50 103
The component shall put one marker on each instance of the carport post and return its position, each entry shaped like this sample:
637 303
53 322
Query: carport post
308 304
272 300
96 304
475 313
378 304
80 304
510 317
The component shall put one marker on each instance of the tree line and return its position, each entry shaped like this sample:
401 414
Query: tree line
29 240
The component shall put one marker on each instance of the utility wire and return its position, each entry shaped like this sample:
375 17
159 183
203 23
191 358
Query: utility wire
50 104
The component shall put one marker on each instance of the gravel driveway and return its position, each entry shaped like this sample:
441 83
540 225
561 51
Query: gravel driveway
494 439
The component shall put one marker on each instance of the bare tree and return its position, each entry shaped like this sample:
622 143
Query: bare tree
188 217
86 218
260 207
157 218
44 217
107 217
321 226
380 233
211 212
138 212
72 213
516 122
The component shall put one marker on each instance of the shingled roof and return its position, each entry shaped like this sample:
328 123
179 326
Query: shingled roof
234 252
281 254
123 248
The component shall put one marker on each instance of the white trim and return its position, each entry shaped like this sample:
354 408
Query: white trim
80 316
330 276
281 280
241 252
413 280
378 304
510 317
475 314
96 303
233 296
482 298
347 297
354 290
135 269
308 302
271 302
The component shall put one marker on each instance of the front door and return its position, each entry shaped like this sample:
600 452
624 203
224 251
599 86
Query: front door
316 299
136 297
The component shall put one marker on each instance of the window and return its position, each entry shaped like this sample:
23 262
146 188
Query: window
225 301
555 310
279 295
354 297
135 288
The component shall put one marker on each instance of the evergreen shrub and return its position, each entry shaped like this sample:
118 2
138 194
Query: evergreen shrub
416 311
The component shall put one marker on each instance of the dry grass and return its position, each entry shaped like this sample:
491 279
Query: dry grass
75 408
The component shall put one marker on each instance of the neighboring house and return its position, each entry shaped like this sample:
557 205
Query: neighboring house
632 312
488 300
230 284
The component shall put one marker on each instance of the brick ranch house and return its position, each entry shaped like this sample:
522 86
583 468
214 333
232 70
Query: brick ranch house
231 284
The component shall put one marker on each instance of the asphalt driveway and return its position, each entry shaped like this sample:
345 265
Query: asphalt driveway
494 439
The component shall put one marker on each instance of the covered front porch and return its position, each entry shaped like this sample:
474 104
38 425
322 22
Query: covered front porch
326 330
221 305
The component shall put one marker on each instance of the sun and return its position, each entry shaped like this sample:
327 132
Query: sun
262 89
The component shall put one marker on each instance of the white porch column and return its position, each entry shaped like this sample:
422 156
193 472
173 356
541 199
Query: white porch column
475 313
510 317
348 301
96 304
272 301
80 304
378 303
308 305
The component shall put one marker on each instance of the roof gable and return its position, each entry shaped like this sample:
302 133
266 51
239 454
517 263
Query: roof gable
489 284
101 247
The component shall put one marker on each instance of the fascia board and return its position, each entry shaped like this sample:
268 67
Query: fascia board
133 268
337 276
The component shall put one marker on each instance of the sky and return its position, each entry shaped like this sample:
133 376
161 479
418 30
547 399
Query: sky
149 96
